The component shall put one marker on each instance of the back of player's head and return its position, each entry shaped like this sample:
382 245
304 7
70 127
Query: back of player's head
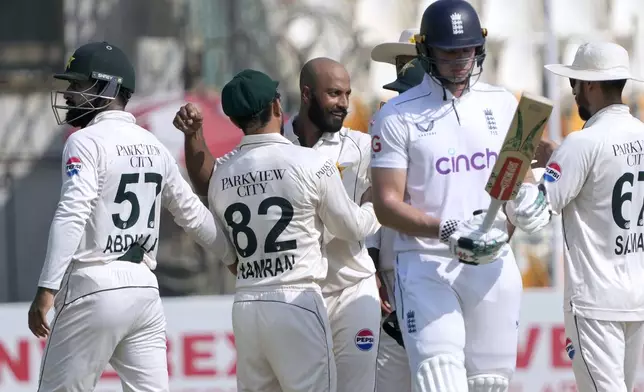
251 101
449 25
98 73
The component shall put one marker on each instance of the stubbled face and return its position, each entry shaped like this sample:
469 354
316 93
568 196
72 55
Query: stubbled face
581 98
328 101
454 65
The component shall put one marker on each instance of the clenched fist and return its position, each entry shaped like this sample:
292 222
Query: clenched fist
188 119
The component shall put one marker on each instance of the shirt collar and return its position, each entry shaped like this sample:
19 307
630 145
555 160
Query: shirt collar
608 110
113 115
431 85
265 138
289 133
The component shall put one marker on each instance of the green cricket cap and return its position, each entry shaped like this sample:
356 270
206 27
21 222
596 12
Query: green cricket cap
410 75
248 93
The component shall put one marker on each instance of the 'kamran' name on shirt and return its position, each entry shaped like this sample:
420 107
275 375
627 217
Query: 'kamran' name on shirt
265 268
252 183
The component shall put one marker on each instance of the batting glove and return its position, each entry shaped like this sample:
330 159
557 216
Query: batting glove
469 244
530 210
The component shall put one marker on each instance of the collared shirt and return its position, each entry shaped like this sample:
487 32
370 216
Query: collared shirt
276 199
116 176
595 179
349 261
447 147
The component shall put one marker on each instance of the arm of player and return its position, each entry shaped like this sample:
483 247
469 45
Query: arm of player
77 200
193 216
363 182
341 216
389 178
199 161
534 205
568 170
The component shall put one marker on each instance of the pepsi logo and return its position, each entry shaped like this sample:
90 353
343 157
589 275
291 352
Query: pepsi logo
570 348
73 166
365 340
552 173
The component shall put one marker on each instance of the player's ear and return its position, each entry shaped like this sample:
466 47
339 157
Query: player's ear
277 108
306 94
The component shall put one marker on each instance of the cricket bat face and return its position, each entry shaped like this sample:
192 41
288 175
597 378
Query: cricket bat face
518 148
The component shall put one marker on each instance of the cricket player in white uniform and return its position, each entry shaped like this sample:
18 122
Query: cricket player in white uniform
104 236
276 199
594 180
350 289
392 373
434 147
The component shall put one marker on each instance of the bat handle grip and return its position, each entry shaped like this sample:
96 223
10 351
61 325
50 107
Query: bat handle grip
490 217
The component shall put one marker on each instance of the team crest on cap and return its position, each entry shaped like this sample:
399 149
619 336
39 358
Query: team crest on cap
552 173
406 67
365 340
73 166
69 62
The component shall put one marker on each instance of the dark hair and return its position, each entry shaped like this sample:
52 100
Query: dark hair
612 87
258 120
124 95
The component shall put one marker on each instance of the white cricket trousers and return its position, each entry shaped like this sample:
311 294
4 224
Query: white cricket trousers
283 340
605 354
392 373
124 327
354 315
459 321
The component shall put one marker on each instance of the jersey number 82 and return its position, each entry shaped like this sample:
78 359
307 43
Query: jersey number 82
271 245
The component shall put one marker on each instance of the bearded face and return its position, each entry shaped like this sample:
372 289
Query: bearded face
583 105
328 118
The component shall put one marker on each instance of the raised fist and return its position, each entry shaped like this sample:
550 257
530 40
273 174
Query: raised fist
188 119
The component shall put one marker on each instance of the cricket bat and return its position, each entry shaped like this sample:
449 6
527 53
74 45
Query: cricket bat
515 157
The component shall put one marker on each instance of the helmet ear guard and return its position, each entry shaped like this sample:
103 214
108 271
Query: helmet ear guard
112 85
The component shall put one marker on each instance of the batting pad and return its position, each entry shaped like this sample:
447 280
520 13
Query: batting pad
442 373
488 383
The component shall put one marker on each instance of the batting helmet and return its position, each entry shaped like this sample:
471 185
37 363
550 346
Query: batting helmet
450 25
103 66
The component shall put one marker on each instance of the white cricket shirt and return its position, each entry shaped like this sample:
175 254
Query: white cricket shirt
448 148
349 261
596 180
275 199
116 176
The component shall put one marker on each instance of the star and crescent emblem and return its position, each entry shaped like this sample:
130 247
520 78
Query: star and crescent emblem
69 62
340 169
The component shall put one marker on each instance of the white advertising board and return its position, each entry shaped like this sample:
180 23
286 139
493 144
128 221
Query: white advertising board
201 347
